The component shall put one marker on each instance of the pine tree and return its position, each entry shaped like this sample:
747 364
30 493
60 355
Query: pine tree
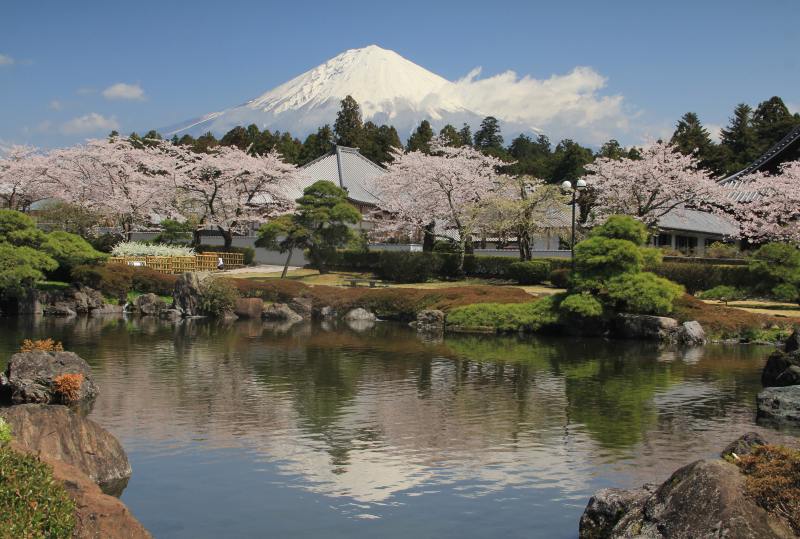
420 139
316 144
348 126
738 141
612 150
237 137
771 122
466 135
450 136
569 160
488 137
691 137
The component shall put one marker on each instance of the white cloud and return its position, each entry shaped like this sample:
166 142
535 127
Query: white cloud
122 90
55 104
6 60
714 131
569 105
89 123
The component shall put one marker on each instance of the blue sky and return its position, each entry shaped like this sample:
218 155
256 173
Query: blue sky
59 61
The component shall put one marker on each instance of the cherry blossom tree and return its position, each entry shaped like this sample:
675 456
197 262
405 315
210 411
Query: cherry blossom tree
450 186
119 178
522 206
23 177
229 189
651 187
767 206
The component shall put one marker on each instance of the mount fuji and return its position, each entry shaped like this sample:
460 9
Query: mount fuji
390 90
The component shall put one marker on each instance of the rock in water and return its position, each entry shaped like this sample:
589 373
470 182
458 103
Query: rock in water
249 308
31 377
430 320
186 294
779 404
793 342
302 306
150 305
645 327
691 334
56 432
360 315
782 369
704 499
744 445
607 507
280 312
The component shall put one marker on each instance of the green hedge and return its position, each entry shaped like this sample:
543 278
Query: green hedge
402 267
531 272
696 277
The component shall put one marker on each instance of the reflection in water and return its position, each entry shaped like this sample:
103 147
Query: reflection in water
300 430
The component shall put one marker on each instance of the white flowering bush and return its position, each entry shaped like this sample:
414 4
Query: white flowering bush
137 248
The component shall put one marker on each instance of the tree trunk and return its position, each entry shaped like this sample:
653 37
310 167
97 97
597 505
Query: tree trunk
525 245
227 236
428 237
286 266
196 236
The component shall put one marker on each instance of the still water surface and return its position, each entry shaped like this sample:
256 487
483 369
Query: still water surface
250 431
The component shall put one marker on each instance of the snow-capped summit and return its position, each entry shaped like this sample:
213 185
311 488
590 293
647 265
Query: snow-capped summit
389 88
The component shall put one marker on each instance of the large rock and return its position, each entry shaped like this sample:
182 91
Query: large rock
150 305
607 507
429 320
793 342
703 499
30 377
186 294
779 405
690 334
302 306
743 445
71 301
249 308
97 515
645 327
280 312
359 314
58 433
781 369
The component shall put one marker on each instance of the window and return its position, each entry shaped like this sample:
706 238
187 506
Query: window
664 240
686 244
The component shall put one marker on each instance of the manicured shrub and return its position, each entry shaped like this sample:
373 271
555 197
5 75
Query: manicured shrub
449 266
723 292
722 250
786 292
776 270
530 272
698 276
147 280
32 503
356 260
581 306
621 227
506 317
70 251
248 252
598 259
497 267
21 268
643 293
218 297
773 481
113 280
405 267
43 345
560 277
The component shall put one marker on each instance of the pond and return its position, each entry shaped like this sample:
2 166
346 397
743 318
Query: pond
246 430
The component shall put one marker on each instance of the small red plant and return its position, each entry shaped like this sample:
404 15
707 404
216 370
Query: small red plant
43 345
68 387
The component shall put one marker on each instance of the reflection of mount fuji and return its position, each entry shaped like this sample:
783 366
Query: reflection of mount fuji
390 89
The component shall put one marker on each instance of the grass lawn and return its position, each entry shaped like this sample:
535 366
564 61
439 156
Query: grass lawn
772 308
339 278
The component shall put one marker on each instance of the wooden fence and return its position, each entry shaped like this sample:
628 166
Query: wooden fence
181 264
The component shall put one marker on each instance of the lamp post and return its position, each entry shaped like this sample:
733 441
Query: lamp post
567 187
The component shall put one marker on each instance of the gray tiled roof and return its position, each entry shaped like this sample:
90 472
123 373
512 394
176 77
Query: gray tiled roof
698 221
345 167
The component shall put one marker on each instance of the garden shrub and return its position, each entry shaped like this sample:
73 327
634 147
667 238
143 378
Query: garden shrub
497 267
43 345
147 280
719 249
70 251
32 502
449 266
581 306
504 317
405 267
140 248
5 432
723 292
599 259
248 252
696 276
643 293
776 270
112 280
68 387
530 272
622 227
218 297
21 268
773 481
560 277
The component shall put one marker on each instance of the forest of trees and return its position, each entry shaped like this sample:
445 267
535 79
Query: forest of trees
749 133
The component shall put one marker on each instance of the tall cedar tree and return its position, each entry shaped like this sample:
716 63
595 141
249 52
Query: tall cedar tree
348 126
420 139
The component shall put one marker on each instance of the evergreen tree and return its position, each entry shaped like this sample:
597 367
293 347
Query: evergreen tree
488 137
317 144
771 122
466 135
187 140
612 150
450 137
532 157
348 126
238 137
205 142
738 142
379 142
289 147
420 139
569 160
690 136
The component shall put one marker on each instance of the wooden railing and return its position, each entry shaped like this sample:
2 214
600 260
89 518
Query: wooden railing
180 264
